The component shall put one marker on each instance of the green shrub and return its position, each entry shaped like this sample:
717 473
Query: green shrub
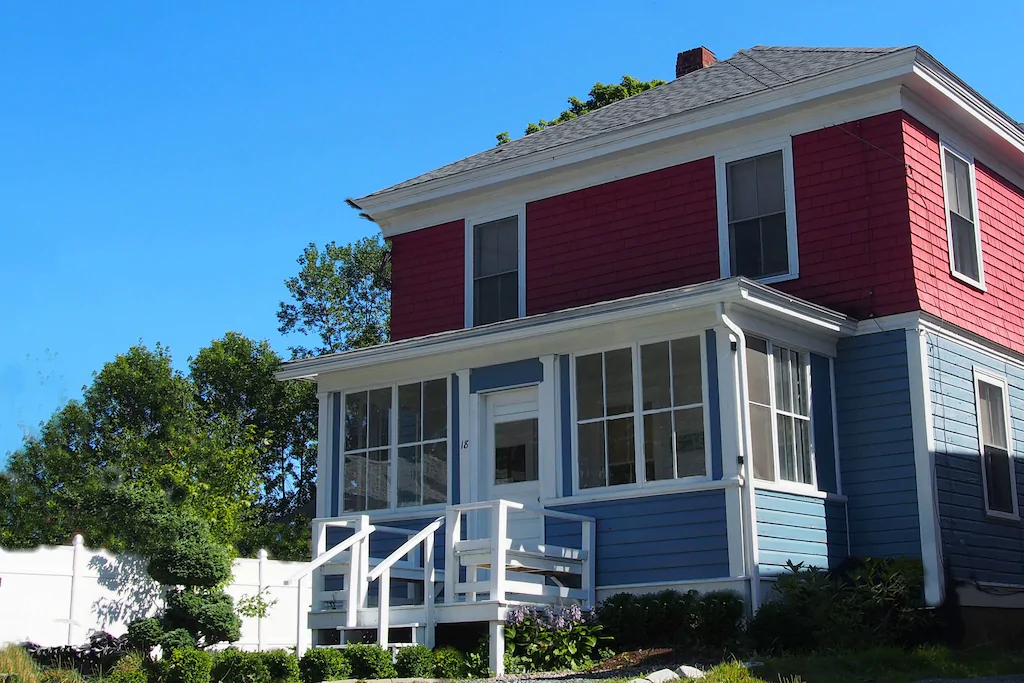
719 620
209 615
370 661
282 665
178 639
416 661
450 663
324 664
144 634
478 660
190 666
551 639
129 669
14 660
137 676
688 622
234 666
61 676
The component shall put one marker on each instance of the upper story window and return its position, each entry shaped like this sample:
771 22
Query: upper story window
391 463
661 415
997 462
757 232
778 386
962 217
497 282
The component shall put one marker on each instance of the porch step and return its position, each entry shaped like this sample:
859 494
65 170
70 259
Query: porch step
529 558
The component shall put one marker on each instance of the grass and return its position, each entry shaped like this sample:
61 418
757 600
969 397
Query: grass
14 660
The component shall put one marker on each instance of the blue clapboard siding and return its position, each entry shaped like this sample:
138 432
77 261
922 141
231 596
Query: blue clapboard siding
674 537
529 371
824 438
796 528
876 444
975 547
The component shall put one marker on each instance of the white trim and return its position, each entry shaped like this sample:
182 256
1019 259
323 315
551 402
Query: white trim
722 161
988 377
946 147
467 437
622 493
835 426
519 212
797 490
547 398
924 466
323 453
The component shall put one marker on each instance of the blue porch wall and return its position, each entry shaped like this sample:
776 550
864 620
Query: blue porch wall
796 528
383 543
672 537
876 445
975 547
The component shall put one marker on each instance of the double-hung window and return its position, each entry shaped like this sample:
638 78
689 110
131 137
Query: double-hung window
778 387
962 217
496 271
758 232
997 463
390 461
658 414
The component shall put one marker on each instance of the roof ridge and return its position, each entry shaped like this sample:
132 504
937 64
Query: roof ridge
811 48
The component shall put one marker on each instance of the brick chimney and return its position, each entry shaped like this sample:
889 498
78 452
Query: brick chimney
692 60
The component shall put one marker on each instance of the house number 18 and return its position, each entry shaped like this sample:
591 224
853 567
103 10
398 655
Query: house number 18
465 444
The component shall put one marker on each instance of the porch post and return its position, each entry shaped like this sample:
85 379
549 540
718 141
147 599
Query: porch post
499 533
322 455
728 402
496 651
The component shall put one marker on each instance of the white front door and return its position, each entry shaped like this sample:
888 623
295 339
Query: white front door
512 458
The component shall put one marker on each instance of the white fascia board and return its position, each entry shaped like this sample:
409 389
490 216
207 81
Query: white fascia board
760 103
734 290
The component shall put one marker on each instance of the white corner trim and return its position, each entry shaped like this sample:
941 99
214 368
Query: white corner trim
924 465
466 436
323 500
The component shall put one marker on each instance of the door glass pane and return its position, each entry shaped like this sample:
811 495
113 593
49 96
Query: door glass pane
761 436
771 189
355 482
997 477
515 451
689 424
591 455
380 417
774 245
619 381
377 478
658 452
355 421
757 370
589 388
687 385
409 463
435 409
409 407
654 373
435 473
621 451
742 189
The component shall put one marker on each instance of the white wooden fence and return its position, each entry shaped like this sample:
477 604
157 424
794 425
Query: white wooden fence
59 595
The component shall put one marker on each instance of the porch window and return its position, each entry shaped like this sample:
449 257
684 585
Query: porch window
997 459
961 218
391 463
673 408
606 418
778 384
496 270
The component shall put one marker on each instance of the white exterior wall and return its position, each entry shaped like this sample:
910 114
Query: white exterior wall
51 597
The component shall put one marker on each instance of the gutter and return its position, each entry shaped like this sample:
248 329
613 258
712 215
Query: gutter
746 453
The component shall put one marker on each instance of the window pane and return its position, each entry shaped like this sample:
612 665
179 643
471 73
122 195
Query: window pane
508 244
591 455
380 417
515 451
997 477
621 450
686 371
377 478
958 186
589 389
435 473
496 247
951 194
508 296
355 482
801 404
742 189
486 293
658 458
787 449
409 407
804 464
409 463
783 380
689 426
745 248
993 419
965 247
771 189
655 376
619 381
757 370
774 246
435 409
355 421
763 450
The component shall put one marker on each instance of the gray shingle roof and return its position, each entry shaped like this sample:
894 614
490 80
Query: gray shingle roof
746 72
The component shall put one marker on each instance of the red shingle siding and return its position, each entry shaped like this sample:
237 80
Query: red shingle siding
427 276
852 215
998 313
640 234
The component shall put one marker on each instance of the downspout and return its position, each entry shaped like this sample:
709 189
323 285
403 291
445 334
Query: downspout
745 442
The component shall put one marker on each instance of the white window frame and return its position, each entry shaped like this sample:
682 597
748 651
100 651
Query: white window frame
638 419
779 483
987 377
519 212
393 509
944 147
784 145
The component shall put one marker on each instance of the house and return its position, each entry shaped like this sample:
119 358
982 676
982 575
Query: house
769 311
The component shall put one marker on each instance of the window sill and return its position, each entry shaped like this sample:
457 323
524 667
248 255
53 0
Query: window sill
662 489
976 284
777 278
796 490
1005 516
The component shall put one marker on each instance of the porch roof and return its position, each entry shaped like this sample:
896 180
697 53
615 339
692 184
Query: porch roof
736 291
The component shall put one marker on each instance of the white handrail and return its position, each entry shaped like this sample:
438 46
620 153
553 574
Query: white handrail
513 505
404 549
330 554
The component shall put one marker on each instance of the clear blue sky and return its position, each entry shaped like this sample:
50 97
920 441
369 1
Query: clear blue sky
162 164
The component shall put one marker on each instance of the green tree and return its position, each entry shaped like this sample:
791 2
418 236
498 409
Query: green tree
601 95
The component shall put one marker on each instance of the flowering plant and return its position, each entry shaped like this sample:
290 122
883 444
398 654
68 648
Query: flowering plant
551 638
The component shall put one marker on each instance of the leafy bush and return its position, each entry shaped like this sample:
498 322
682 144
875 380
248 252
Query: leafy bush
191 558
129 669
478 660
416 661
234 666
177 639
116 676
449 662
61 676
370 661
209 615
551 639
144 634
719 620
689 621
190 666
15 660
282 665
324 664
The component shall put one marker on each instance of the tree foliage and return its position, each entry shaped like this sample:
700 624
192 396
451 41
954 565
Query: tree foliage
601 95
